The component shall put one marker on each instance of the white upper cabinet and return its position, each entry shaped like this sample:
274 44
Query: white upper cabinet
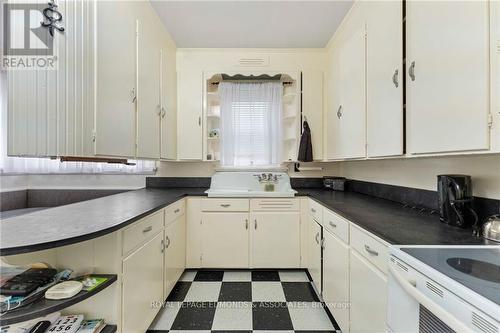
312 108
116 78
50 112
148 89
189 114
447 76
168 125
331 126
347 110
384 78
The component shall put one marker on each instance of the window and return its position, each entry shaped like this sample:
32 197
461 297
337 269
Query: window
250 131
21 165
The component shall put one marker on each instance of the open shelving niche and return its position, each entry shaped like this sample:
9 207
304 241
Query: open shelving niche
290 121
44 306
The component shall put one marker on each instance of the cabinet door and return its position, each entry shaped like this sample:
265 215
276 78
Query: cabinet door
384 78
331 127
312 108
315 252
336 279
225 239
175 253
142 284
168 125
116 78
51 111
447 92
148 88
189 111
275 240
351 111
368 296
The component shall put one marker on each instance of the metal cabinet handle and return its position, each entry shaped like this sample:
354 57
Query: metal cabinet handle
411 71
339 112
255 225
332 224
246 224
162 247
370 251
177 210
225 205
134 96
322 243
147 229
317 238
199 121
395 79
163 112
313 210
168 243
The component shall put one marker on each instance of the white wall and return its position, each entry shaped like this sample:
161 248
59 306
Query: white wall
207 169
227 60
71 181
421 172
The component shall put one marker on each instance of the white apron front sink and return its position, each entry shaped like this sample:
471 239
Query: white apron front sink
246 184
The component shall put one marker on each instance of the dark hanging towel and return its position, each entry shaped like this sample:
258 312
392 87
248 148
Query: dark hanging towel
305 148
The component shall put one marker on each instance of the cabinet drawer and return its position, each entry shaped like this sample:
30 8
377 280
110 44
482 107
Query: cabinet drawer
316 211
275 204
142 230
175 210
336 224
225 205
369 247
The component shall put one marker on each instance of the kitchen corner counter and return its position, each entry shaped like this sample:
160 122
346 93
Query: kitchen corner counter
73 223
391 221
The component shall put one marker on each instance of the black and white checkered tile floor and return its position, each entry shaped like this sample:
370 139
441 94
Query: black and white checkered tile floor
243 301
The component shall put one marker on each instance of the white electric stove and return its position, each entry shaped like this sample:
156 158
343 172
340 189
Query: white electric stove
444 289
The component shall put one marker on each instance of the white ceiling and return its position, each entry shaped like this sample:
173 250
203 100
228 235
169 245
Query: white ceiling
254 24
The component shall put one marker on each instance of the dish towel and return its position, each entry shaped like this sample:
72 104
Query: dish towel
305 147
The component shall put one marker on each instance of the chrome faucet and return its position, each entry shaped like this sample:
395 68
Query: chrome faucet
267 178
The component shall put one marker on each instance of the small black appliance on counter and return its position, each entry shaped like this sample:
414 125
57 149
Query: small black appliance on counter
334 183
455 200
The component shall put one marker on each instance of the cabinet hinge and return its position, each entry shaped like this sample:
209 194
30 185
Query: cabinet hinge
490 120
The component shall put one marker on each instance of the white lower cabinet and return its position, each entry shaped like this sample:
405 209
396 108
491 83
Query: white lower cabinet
336 278
368 296
225 240
142 285
275 239
314 266
175 253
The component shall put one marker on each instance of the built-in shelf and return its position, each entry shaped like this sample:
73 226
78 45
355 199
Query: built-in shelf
44 306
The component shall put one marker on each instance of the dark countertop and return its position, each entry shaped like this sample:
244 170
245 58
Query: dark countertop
391 221
85 220
73 223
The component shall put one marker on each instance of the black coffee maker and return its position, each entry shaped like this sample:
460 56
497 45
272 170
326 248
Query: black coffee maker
455 200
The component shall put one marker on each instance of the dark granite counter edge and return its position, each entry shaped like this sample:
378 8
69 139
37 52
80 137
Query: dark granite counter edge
73 240
89 236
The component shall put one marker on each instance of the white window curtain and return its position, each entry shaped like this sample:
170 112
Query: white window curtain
250 133
21 165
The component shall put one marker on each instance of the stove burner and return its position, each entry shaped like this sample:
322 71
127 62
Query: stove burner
480 269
